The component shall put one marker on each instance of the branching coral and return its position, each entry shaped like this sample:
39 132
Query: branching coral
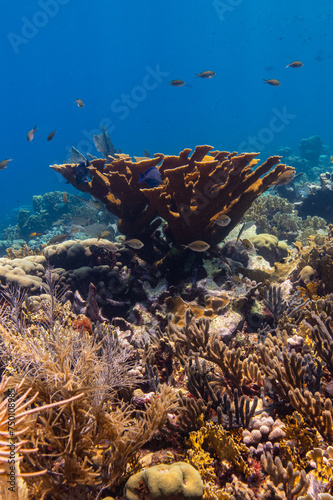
194 191
195 337
321 328
285 376
284 479
92 438
317 411
14 425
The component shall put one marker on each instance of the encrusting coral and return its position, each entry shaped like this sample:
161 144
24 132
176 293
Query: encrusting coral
194 191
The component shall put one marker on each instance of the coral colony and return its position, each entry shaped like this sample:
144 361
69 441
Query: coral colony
168 334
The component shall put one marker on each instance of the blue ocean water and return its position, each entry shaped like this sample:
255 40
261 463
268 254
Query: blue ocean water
118 57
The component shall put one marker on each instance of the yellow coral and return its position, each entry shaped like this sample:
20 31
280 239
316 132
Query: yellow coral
324 467
221 443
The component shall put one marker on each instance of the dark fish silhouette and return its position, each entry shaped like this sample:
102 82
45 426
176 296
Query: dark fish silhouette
82 172
51 135
177 83
206 74
80 103
152 177
31 134
4 163
295 64
273 82
59 238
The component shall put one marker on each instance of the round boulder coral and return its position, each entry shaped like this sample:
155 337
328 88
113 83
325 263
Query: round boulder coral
269 247
176 481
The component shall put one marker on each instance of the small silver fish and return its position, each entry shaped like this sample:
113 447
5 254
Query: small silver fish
4 163
295 64
31 134
244 227
198 246
206 74
93 203
134 243
222 220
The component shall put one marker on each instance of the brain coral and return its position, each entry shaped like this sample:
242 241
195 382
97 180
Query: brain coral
27 272
176 481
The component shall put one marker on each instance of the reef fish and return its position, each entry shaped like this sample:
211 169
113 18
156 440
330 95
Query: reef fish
94 204
82 172
80 103
122 156
103 234
35 235
222 220
244 227
134 243
197 246
152 177
295 64
51 135
64 197
284 178
206 74
140 158
177 83
4 163
273 82
58 238
247 244
236 280
31 134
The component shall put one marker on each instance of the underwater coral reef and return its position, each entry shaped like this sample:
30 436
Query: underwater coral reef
208 387
167 367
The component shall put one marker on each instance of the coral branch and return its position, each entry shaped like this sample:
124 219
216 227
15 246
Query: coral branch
194 190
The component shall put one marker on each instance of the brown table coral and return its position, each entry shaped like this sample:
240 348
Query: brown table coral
194 192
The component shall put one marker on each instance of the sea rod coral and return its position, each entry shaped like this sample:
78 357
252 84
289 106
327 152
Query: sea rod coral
195 191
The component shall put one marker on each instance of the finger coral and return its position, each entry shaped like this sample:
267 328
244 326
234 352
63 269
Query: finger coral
194 192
